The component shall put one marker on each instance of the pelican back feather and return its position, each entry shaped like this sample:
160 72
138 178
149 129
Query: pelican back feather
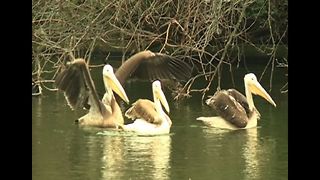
240 98
144 109
228 108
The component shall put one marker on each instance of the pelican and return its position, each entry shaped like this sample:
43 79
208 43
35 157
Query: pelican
234 109
149 117
78 87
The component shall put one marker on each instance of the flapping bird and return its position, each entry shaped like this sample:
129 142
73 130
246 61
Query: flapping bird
79 89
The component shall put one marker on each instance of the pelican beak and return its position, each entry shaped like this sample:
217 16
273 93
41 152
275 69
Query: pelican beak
115 85
257 89
158 93
163 100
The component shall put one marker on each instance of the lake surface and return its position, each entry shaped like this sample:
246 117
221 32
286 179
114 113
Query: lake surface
62 150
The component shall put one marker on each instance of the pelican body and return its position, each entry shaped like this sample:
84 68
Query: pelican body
80 92
149 117
235 110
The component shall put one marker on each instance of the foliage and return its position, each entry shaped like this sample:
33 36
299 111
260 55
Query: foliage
206 33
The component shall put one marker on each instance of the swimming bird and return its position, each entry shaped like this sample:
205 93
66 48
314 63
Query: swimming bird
235 110
80 91
149 117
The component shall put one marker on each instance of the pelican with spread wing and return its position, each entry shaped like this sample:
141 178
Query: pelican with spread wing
80 91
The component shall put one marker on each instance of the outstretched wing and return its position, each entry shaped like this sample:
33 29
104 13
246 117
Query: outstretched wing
228 108
78 86
144 109
147 65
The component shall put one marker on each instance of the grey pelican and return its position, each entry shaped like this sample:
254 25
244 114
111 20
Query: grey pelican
149 117
234 109
78 87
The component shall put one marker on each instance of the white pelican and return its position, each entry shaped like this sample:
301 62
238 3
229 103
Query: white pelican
234 109
78 87
149 117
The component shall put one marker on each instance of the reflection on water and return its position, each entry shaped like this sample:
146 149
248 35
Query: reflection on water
112 157
250 155
241 148
145 157
38 112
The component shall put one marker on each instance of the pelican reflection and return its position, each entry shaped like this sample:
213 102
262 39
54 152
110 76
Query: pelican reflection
244 149
136 157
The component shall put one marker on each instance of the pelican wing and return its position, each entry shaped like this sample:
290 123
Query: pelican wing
78 86
146 65
228 108
144 109
240 98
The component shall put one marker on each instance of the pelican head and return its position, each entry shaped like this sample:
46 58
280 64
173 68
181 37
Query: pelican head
252 85
159 95
111 81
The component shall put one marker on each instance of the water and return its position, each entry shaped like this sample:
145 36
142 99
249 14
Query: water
62 150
